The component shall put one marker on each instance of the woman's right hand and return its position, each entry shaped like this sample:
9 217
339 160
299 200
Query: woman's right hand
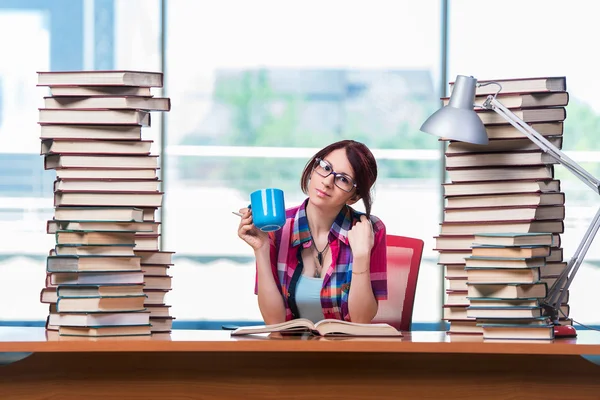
250 233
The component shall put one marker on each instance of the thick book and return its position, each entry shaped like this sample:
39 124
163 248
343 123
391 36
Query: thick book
504 262
499 159
159 310
465 329
109 161
155 257
525 100
93 146
96 214
514 239
162 282
507 291
104 132
456 283
100 78
100 290
510 132
106 185
53 226
468 228
73 263
464 242
116 102
155 296
48 295
511 252
451 257
454 312
499 145
528 115
453 242
155 270
504 275
500 187
520 85
526 213
95 199
94 278
90 91
553 269
512 173
94 238
123 250
106 173
161 324
147 242
99 319
504 200
326 327
504 312
100 304
517 332
457 298
455 271
105 331
484 302
94 117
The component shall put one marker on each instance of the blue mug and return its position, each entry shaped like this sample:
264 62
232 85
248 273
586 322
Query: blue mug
268 209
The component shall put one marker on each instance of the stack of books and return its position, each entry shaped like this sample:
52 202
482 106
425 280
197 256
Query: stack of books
157 280
506 284
506 186
102 278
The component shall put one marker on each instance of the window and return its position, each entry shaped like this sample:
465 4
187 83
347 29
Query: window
273 83
57 35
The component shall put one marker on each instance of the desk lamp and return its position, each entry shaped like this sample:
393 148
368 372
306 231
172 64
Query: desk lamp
458 121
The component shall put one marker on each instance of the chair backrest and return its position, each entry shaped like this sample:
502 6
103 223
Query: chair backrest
403 262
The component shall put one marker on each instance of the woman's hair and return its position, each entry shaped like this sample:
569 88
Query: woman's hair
362 161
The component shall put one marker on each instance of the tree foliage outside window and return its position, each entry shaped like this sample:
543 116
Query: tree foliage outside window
254 111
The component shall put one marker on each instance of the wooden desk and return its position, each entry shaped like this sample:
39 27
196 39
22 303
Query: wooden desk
212 365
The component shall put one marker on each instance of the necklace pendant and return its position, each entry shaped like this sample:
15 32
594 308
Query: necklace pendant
320 258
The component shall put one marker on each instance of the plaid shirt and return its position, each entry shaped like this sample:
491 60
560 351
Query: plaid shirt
287 242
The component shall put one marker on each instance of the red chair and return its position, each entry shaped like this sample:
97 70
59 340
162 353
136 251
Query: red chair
403 262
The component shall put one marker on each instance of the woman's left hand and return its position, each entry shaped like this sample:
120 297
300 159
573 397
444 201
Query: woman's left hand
361 237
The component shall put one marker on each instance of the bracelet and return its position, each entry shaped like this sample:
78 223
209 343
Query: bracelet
360 273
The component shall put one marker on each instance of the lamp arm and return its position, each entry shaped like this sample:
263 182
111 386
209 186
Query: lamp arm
558 291
493 104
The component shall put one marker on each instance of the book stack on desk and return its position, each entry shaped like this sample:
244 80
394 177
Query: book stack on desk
155 265
106 195
506 285
505 186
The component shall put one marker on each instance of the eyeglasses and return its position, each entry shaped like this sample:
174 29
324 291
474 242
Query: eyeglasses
342 181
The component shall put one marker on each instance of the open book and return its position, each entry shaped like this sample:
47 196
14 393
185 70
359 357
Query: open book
326 327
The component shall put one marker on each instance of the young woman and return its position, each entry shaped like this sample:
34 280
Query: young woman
328 261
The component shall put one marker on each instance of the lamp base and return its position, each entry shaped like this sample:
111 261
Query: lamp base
564 331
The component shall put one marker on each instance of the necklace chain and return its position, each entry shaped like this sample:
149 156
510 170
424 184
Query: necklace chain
319 267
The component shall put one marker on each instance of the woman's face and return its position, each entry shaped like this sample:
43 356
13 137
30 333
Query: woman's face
323 191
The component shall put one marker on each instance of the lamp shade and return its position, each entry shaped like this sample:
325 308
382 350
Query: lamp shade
458 120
